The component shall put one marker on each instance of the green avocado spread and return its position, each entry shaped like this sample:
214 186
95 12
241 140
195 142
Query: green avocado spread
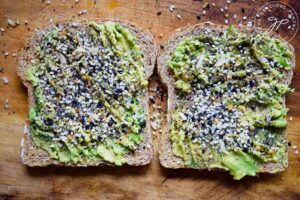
230 112
87 83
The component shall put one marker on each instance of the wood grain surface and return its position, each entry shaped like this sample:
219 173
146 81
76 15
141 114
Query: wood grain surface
149 182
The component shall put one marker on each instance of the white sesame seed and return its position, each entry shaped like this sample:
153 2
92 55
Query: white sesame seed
179 16
74 24
5 80
291 118
213 4
172 8
221 9
296 152
11 22
234 16
294 147
228 1
76 1
14 55
6 53
2 29
226 8
204 12
245 17
48 2
226 21
249 24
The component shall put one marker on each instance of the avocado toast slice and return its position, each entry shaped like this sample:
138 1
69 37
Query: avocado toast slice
87 89
226 99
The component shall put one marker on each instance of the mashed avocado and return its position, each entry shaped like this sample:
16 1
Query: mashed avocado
235 118
87 86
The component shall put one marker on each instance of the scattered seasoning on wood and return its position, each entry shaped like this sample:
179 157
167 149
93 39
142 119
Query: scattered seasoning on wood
198 17
158 13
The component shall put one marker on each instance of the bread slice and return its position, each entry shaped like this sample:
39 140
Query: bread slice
34 156
166 156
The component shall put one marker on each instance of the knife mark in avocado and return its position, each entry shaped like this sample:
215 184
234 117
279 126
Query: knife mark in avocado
235 117
87 85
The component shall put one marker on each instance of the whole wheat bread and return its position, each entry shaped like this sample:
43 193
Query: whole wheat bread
31 155
166 157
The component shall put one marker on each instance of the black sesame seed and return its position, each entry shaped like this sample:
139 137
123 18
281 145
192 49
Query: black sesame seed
142 124
198 17
158 13
110 123
75 103
99 105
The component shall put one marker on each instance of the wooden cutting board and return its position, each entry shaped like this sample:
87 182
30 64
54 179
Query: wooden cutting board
149 182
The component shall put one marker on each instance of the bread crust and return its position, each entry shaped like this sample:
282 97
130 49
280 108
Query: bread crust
31 155
166 156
